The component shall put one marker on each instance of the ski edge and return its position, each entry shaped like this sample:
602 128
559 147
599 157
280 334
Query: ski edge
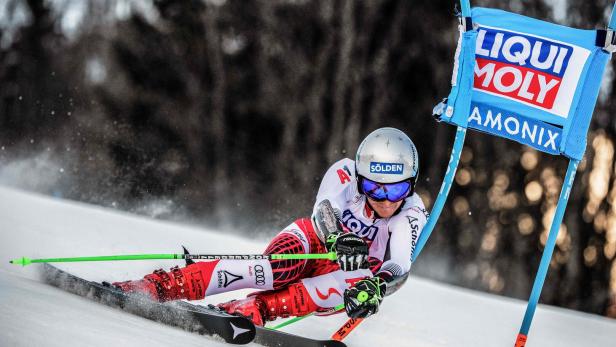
276 338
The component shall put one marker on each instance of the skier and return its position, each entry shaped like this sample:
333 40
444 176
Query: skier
366 211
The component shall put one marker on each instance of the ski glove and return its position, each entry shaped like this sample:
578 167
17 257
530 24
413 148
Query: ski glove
363 299
351 251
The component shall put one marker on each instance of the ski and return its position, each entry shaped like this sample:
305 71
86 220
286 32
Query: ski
192 318
275 338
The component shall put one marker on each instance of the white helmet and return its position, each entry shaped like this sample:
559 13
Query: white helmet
387 155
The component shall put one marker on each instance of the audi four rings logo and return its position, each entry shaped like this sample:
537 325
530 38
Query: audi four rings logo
259 275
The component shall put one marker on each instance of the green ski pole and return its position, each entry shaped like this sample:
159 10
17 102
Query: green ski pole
362 297
23 261
297 319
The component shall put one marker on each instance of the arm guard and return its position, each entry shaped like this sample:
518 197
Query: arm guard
326 220
393 282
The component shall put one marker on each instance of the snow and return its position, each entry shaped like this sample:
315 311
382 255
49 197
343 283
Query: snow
422 314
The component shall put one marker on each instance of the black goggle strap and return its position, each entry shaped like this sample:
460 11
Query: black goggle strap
412 188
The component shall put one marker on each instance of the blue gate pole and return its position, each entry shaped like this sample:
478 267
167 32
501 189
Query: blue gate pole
466 8
442 194
454 159
547 253
612 24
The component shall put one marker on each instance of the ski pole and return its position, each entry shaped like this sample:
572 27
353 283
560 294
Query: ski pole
289 322
344 330
297 319
23 261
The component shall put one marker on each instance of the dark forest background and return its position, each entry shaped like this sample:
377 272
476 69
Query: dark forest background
228 112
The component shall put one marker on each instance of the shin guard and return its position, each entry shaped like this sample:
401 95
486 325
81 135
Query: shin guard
198 280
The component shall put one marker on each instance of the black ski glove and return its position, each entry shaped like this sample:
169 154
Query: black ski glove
363 299
351 251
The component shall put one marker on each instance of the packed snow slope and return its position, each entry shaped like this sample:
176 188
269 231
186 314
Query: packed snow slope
422 313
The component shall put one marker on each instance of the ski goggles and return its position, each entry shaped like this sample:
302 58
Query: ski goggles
392 192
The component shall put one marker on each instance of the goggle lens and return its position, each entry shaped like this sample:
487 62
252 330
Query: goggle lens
393 192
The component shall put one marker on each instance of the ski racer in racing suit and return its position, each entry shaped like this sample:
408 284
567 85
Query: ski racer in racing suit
366 211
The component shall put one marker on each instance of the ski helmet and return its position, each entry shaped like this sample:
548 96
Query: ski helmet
387 155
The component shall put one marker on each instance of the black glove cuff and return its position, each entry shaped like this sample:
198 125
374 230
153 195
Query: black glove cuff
351 244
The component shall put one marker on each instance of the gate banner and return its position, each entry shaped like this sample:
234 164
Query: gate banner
527 80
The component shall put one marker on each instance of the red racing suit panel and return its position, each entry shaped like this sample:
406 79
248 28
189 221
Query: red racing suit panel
300 237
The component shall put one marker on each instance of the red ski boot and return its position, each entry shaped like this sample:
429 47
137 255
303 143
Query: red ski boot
252 308
267 306
160 286
190 283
